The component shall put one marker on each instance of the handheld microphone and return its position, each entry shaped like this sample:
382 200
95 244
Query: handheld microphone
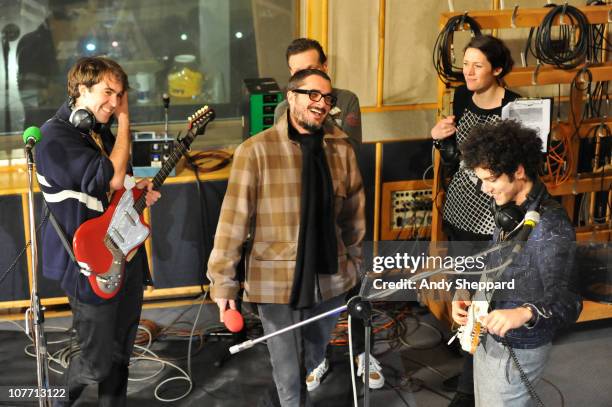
532 218
31 136
233 320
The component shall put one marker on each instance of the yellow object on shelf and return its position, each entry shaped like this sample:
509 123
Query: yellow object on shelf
184 80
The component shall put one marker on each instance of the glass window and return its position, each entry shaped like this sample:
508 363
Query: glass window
197 51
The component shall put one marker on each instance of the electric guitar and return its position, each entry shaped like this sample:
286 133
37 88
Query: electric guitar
470 333
103 245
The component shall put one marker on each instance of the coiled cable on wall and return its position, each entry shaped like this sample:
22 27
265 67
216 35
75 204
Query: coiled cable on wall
444 50
570 47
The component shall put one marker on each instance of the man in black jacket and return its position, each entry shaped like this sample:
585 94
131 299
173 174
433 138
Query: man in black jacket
79 164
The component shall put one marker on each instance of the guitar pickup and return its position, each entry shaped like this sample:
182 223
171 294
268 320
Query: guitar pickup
116 234
131 218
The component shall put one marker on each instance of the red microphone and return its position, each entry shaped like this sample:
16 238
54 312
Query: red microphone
233 320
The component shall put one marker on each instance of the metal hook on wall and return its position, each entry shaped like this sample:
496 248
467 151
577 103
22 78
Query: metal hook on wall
534 75
513 18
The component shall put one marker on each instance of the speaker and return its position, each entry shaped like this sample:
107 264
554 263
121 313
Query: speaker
183 229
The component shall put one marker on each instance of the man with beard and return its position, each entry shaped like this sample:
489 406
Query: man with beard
306 53
296 190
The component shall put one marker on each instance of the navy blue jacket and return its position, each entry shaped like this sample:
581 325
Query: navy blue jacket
544 276
74 178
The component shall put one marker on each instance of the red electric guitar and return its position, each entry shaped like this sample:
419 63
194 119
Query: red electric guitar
102 245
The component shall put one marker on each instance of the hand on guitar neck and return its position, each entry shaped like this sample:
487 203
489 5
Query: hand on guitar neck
151 195
459 311
469 314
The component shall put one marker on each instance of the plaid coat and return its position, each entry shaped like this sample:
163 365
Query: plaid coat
263 200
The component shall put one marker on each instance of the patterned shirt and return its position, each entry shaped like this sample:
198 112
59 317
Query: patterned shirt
467 207
263 200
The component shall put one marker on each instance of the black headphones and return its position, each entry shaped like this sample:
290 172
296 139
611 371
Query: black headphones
510 215
83 120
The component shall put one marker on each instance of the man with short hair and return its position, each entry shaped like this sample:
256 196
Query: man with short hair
296 190
521 323
304 53
79 163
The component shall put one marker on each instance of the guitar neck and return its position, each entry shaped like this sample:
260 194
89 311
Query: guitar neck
180 148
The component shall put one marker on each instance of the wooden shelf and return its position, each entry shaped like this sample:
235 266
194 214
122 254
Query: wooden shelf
549 75
584 182
527 17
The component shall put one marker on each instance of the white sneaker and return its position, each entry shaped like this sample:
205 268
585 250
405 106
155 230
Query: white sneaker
377 380
313 380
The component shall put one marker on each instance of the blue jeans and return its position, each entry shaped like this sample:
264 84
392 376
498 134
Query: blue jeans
496 378
298 351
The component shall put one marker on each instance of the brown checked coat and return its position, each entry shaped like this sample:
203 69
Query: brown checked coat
263 199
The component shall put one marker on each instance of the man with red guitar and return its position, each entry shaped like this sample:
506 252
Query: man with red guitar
79 165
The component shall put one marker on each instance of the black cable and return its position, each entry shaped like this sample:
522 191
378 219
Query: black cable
522 374
25 248
444 49
570 47
597 37
528 46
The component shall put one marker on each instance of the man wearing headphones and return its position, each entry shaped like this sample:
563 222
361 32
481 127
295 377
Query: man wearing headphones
521 323
79 163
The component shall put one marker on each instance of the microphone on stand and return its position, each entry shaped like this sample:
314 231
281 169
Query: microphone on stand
532 218
166 100
31 136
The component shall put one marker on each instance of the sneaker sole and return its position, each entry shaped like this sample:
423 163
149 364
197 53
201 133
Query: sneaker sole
311 387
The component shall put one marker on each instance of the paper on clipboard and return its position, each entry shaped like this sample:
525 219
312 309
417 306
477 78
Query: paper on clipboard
532 113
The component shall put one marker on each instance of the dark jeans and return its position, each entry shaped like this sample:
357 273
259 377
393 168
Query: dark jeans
105 334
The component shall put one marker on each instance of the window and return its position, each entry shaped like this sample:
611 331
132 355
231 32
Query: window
198 51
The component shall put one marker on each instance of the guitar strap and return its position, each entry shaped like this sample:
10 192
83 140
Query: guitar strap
62 235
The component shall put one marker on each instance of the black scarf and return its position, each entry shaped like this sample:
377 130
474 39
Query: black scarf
317 251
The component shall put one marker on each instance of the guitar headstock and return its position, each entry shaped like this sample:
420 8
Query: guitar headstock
197 122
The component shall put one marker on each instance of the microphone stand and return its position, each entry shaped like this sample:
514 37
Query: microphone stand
36 311
360 307
5 54
166 101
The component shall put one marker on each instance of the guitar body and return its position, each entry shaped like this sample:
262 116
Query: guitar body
100 255
103 245
470 333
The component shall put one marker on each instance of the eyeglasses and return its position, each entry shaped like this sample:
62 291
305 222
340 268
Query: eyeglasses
315 96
